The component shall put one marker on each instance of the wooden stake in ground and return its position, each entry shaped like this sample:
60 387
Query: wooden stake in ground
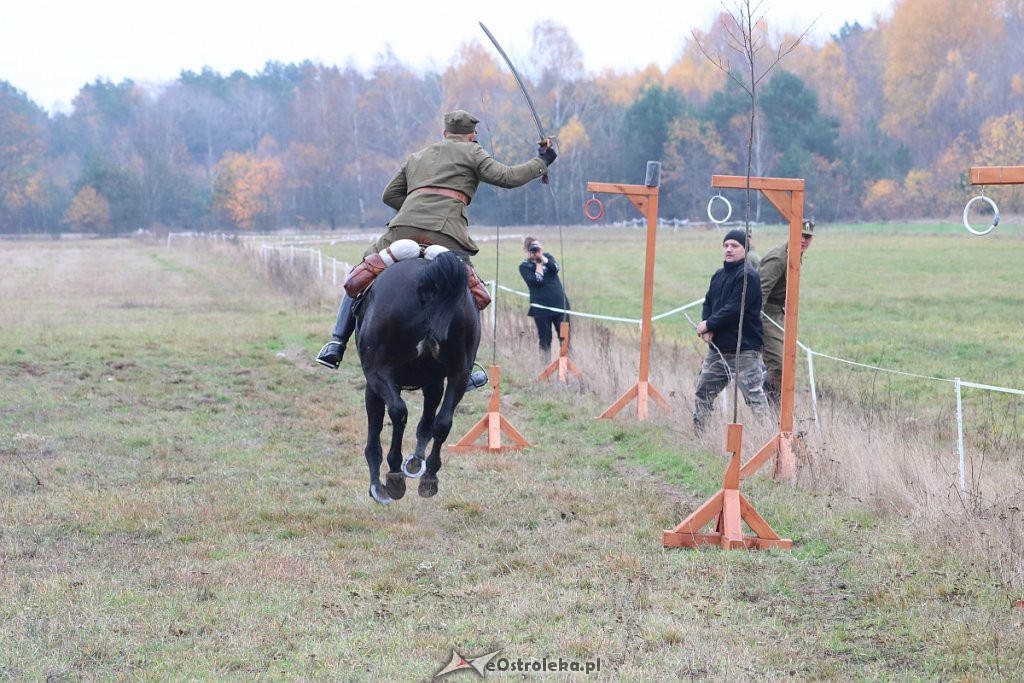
494 423
731 509
645 198
563 364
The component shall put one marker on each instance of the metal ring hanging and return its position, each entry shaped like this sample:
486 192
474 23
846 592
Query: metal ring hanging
728 209
995 219
600 209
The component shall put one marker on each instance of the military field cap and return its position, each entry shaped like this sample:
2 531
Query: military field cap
808 228
460 121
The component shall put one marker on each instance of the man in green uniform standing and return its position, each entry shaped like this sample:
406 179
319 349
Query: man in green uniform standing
431 193
773 308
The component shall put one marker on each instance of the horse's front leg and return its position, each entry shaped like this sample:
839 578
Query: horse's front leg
442 426
425 429
373 451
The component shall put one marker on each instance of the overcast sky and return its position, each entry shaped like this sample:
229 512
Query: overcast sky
50 48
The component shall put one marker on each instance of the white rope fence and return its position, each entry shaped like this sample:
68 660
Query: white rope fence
957 383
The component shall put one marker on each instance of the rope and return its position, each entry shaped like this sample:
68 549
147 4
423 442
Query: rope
612 318
721 356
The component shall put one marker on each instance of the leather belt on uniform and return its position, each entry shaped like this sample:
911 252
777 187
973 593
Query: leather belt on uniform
447 192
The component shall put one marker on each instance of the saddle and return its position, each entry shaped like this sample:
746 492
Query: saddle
364 274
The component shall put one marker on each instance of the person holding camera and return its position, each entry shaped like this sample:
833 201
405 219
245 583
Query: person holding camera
540 273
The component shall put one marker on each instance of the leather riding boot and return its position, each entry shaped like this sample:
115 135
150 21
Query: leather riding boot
476 380
481 296
333 351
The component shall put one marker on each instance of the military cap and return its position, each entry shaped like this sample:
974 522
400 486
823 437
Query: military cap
460 121
808 228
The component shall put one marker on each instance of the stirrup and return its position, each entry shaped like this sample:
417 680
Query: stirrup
322 359
477 379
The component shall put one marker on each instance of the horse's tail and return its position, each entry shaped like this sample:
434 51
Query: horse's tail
441 286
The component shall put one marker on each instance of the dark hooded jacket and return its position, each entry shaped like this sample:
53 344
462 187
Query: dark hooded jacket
722 308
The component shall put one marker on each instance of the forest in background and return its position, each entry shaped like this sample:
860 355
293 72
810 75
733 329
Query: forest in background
882 121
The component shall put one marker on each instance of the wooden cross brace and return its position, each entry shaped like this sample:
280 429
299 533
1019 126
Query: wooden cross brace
730 508
494 423
563 364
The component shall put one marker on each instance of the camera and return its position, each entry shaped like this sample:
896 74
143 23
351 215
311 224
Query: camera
534 249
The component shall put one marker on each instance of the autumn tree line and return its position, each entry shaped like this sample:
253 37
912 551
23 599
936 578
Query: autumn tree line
882 122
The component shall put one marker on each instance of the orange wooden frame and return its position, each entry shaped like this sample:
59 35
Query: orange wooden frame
494 423
645 199
563 364
731 509
997 175
787 196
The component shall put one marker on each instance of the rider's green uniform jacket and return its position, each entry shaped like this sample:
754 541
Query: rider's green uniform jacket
456 165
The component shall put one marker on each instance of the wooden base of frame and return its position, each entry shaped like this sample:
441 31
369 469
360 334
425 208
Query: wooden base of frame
641 391
731 509
563 365
494 423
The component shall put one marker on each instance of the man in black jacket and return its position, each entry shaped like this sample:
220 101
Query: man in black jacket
720 329
540 273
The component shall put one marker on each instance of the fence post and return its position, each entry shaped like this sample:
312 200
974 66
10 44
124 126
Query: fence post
334 271
960 432
814 391
320 261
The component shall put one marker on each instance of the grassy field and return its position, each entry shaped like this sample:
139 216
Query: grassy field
202 511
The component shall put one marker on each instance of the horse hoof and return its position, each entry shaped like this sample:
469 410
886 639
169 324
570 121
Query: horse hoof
379 496
428 486
395 485
413 467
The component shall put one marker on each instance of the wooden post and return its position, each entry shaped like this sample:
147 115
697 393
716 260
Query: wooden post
787 196
563 364
730 509
494 423
645 198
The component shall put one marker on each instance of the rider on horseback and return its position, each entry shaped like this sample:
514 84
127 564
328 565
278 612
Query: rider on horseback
431 193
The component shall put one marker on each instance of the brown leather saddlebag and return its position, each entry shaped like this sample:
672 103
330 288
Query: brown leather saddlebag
478 289
363 274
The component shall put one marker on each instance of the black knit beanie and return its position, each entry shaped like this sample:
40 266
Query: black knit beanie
738 235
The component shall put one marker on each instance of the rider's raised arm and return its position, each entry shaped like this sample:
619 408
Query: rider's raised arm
496 173
397 190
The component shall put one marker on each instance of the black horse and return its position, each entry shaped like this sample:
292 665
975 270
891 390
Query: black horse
416 328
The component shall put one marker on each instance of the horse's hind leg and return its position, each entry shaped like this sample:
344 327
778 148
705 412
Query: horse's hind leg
399 414
373 451
442 425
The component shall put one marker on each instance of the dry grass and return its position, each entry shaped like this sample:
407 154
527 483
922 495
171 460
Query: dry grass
203 511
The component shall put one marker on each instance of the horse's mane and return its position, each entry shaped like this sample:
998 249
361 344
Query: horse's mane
440 287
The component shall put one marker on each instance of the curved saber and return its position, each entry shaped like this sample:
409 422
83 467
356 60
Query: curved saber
522 88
